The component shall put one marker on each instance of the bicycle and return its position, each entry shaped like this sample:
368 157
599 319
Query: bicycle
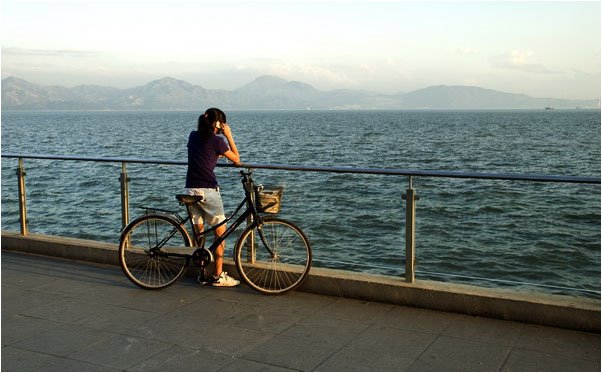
272 255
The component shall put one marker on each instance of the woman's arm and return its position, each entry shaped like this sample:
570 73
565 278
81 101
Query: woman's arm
231 154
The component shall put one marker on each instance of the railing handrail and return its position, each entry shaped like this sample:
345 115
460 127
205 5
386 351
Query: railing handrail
409 196
348 170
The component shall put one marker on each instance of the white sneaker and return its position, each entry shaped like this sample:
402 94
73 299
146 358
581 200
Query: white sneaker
225 281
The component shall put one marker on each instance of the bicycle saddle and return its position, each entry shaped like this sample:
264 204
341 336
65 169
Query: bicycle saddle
189 200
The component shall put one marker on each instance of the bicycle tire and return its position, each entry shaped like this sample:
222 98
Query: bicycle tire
268 274
152 251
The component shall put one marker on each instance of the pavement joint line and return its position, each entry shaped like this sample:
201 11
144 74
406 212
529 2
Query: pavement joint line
538 347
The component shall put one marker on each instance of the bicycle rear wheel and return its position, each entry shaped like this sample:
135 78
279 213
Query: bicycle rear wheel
154 251
278 267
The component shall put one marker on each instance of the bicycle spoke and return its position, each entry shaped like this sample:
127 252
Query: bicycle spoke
149 259
279 267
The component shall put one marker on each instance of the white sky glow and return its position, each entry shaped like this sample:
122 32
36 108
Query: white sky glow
543 49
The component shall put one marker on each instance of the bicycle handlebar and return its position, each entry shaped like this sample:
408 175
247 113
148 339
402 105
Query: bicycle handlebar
247 181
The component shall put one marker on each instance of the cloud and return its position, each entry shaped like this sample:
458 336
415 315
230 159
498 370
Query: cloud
299 71
97 69
576 73
466 50
520 60
48 52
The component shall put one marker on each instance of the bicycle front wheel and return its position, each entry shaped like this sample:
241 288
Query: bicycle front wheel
153 251
273 258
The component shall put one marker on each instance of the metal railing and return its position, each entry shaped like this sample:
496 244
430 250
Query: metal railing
410 195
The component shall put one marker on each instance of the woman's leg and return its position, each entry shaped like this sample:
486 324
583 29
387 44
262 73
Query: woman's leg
219 251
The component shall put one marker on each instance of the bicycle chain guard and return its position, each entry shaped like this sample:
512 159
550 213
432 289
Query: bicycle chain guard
202 257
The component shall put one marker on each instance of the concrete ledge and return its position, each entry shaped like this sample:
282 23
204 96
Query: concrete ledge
551 310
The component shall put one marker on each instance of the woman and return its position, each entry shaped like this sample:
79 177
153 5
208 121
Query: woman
204 149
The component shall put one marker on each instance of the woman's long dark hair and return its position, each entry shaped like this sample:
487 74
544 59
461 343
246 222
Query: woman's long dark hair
207 122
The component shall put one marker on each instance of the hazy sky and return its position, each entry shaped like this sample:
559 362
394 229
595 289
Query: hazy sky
543 49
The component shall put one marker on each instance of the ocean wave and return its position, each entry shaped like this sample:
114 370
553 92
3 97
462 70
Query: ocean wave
486 232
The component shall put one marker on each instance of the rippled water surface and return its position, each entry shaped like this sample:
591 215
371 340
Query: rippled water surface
543 236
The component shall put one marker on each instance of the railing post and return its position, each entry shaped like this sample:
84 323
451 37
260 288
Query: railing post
411 198
22 199
251 245
125 199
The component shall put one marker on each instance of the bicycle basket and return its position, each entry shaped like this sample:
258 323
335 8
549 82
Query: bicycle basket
268 199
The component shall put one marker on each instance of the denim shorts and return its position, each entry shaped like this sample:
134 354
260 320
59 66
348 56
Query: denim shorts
211 210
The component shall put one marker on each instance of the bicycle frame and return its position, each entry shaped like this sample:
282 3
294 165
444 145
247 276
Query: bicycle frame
251 211
156 247
231 228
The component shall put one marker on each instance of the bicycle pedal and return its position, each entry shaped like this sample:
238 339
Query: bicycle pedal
204 278
203 281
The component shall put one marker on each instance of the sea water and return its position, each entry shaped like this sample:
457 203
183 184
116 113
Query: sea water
524 235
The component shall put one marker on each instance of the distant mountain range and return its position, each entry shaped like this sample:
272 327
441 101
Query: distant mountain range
266 92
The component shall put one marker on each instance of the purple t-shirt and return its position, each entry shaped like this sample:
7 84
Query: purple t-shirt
202 158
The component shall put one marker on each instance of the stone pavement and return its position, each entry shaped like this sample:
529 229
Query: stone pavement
60 315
